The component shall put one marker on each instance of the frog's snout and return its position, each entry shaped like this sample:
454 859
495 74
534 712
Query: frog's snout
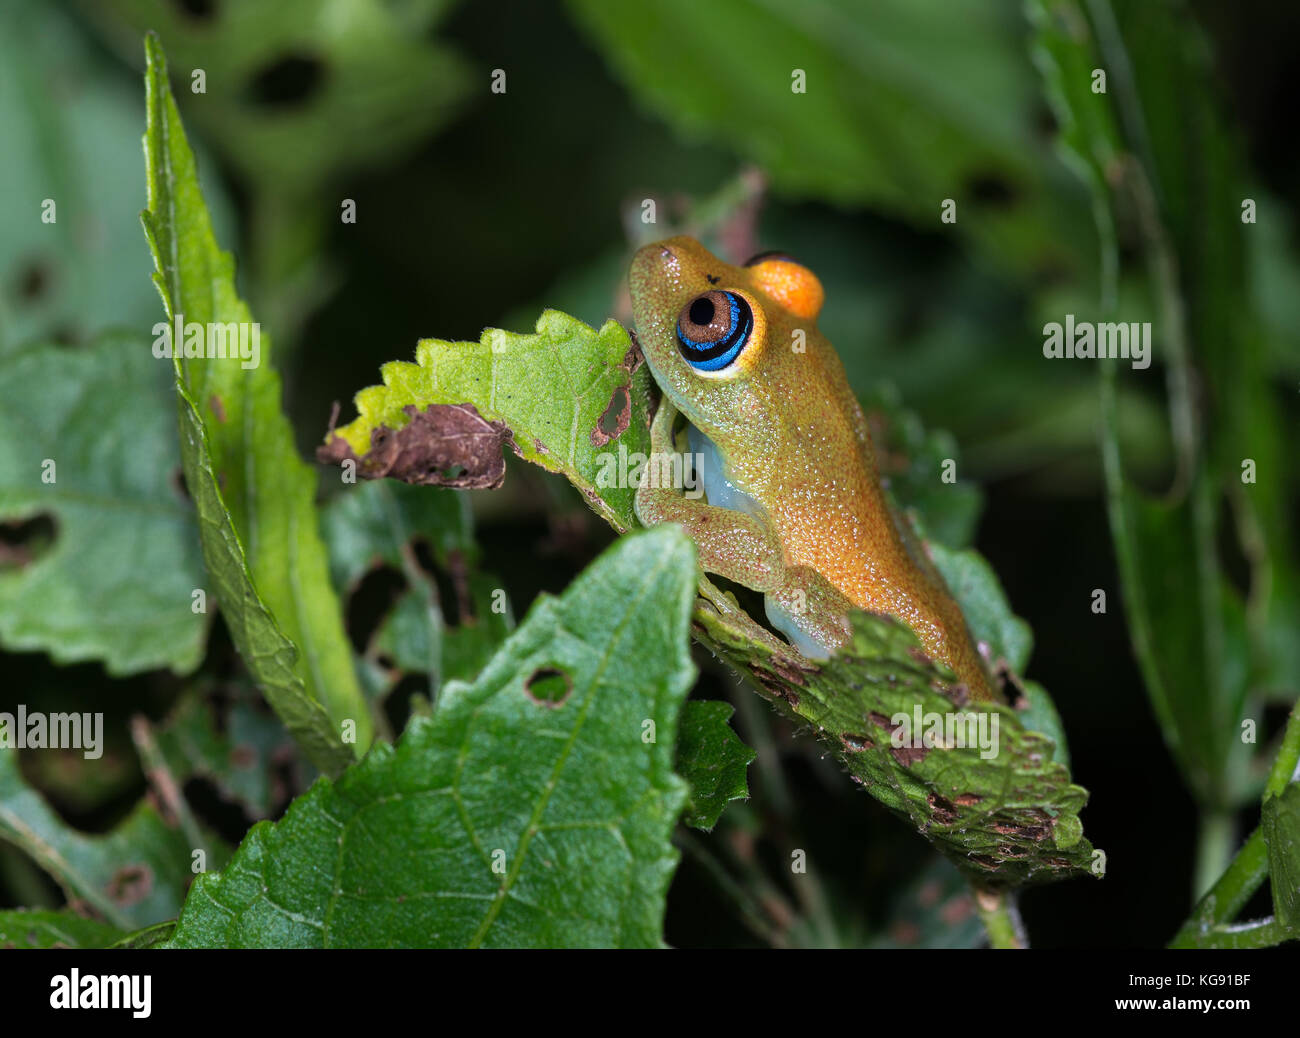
653 265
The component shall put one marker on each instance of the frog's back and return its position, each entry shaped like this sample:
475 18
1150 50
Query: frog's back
834 516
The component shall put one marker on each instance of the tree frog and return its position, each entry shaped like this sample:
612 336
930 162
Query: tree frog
793 505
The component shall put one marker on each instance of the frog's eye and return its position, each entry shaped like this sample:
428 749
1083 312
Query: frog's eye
789 283
713 328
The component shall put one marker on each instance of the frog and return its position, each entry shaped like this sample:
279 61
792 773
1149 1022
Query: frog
792 505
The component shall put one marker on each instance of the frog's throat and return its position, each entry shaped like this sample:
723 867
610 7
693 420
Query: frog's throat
720 492
711 475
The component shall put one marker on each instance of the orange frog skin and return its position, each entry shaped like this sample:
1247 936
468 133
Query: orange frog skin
793 506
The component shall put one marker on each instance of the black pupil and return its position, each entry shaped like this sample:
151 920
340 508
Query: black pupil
701 311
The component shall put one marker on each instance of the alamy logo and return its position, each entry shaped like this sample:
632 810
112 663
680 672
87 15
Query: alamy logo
657 471
127 991
38 731
955 730
1088 341
235 340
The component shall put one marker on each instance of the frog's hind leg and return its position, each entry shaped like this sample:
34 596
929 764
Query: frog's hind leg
811 613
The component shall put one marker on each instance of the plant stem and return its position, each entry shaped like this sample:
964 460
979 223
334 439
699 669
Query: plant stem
1001 918
1214 845
1229 895
164 782
1286 765
1259 933
1247 871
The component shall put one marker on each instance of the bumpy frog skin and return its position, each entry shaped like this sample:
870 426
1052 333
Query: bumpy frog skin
793 506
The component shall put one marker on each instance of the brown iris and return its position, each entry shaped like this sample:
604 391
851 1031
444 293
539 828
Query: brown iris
713 328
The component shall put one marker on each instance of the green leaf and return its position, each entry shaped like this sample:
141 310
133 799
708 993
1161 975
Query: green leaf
711 757
1180 611
988 613
134 875
406 637
378 522
575 400
1038 714
1281 824
1195 157
1020 821
911 464
103 419
254 494
1005 820
875 124
238 750
46 928
371 80
268 654
297 96
1088 134
912 461
1171 160
565 795
371 523
68 119
147 937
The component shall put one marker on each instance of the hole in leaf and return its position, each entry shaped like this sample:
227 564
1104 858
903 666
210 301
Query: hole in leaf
33 281
371 601
177 480
288 83
227 817
242 756
65 335
614 419
131 884
199 10
397 705
1045 122
991 189
451 581
20 863
463 600
290 776
221 699
1232 557
549 687
24 541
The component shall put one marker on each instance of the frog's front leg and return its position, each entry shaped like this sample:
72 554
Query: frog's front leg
731 544
799 601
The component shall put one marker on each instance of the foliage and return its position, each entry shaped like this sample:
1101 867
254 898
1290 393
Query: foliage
322 725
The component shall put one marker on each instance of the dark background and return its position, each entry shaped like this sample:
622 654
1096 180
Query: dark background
517 202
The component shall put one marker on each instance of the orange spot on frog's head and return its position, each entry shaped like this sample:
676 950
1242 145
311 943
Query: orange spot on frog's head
788 283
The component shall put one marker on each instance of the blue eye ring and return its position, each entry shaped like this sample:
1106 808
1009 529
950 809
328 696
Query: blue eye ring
713 328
